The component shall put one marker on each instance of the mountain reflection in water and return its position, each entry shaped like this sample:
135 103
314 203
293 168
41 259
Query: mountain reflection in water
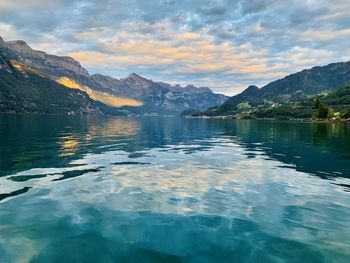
173 190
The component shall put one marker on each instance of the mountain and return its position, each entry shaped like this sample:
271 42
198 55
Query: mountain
295 86
157 97
319 106
133 95
26 90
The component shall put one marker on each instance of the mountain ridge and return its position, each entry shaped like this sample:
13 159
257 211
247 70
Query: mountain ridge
307 82
154 97
26 90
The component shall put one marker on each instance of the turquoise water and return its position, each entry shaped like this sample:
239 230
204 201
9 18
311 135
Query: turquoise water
173 190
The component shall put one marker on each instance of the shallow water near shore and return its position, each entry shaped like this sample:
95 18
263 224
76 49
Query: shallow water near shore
173 190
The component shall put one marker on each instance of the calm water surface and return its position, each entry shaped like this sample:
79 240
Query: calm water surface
173 190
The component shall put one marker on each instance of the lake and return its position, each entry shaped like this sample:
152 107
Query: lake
88 189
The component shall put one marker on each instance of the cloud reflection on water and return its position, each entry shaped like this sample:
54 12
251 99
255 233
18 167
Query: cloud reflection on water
174 188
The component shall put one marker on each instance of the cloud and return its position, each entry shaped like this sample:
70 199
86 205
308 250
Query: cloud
224 44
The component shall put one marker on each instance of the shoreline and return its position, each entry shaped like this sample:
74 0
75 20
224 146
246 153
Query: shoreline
231 117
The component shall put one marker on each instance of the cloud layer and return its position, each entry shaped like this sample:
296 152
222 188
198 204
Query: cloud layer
224 44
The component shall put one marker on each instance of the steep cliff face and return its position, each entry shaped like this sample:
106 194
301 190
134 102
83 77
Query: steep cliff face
50 64
158 97
134 94
27 90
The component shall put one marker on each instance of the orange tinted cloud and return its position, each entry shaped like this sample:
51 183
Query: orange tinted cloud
198 54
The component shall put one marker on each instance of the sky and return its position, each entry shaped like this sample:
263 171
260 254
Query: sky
226 45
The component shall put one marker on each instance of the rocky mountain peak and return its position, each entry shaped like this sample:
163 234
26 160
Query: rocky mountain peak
50 64
135 76
205 89
193 89
19 46
2 42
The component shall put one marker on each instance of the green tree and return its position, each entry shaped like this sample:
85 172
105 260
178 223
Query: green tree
322 111
345 114
330 113
317 103
243 106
